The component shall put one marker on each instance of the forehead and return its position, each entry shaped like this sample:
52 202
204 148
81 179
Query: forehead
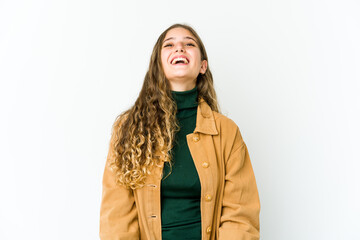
178 33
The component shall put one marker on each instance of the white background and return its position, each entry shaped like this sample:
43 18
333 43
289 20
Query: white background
286 71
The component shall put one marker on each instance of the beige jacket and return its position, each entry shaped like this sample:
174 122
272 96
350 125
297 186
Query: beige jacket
230 204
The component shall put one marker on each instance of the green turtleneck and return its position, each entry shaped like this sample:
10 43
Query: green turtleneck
181 190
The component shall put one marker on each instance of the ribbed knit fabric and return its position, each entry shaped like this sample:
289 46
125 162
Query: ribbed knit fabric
181 190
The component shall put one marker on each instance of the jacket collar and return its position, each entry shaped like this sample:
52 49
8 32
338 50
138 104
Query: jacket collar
205 121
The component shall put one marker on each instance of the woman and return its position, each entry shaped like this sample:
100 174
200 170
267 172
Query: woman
176 167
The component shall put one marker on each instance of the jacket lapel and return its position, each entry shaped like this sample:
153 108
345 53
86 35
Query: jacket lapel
205 121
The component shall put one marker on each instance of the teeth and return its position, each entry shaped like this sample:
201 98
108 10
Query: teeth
179 58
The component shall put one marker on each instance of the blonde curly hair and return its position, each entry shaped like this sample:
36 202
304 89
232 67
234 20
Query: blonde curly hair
150 124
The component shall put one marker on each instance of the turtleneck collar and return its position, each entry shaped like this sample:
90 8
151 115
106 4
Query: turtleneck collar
186 99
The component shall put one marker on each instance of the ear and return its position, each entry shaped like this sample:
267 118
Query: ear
203 66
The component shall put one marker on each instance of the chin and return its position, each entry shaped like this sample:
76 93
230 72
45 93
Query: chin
181 78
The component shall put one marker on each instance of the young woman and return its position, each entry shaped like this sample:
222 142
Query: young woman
176 167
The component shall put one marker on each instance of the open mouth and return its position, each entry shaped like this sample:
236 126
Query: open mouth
180 61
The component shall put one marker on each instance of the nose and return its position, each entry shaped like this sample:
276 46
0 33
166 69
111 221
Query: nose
179 47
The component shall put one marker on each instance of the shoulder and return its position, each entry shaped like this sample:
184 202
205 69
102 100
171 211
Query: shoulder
228 130
120 120
224 121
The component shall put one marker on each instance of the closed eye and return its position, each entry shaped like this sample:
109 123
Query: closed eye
191 44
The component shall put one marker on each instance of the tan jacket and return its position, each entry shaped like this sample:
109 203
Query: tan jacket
230 204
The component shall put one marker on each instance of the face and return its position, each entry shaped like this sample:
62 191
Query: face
181 59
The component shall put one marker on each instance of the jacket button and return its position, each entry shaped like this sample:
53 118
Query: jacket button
208 197
208 229
196 138
205 164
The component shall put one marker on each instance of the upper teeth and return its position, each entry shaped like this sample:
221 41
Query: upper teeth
178 59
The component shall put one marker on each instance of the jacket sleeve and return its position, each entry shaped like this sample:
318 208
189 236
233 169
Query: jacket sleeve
241 204
118 214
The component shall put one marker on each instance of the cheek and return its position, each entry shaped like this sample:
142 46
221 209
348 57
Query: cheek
163 58
197 56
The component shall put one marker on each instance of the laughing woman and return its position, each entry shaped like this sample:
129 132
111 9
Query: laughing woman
176 167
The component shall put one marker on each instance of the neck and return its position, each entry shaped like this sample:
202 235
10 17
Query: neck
186 99
181 87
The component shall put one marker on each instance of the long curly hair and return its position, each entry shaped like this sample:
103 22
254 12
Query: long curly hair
149 126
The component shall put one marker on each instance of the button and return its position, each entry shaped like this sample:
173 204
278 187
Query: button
208 229
196 138
205 164
208 197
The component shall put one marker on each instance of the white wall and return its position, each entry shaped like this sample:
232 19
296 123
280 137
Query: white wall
287 72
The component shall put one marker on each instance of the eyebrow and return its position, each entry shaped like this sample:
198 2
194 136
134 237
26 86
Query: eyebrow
187 37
